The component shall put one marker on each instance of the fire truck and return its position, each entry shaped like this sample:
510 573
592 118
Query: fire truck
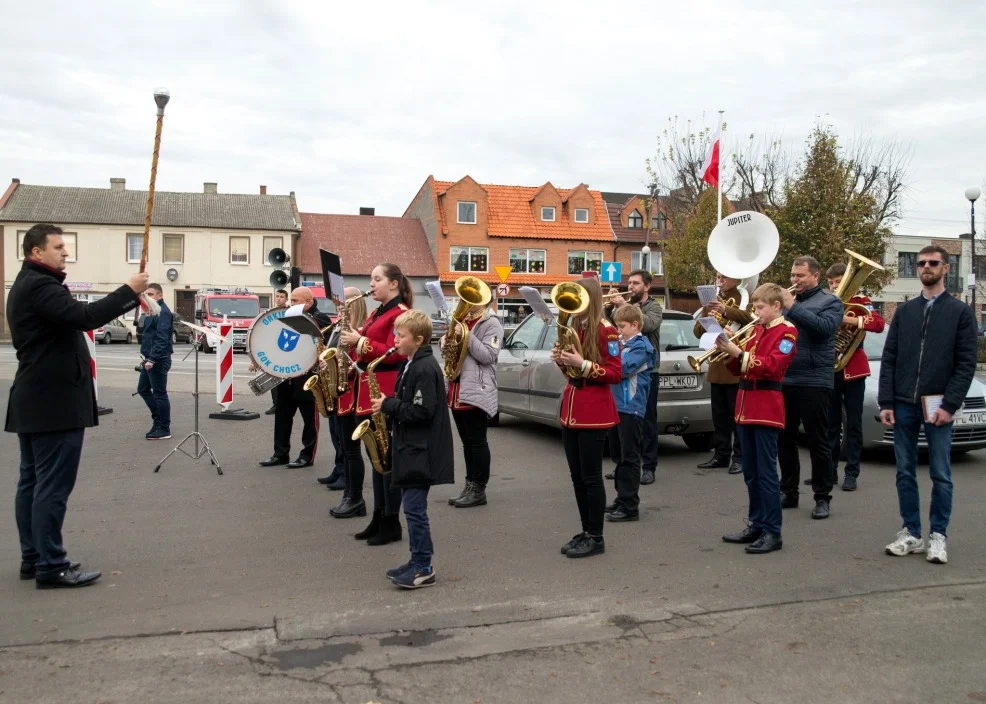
238 306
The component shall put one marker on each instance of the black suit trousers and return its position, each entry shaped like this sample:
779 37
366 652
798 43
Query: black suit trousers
809 406
291 398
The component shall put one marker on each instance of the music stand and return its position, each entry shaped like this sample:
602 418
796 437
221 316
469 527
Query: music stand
195 434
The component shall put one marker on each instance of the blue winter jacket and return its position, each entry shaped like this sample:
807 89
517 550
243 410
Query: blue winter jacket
817 314
155 342
638 359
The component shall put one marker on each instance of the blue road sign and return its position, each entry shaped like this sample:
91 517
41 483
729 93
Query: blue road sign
611 272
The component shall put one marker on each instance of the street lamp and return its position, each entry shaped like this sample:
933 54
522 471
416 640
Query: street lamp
972 195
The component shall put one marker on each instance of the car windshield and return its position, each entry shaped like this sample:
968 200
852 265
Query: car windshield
873 344
678 333
234 307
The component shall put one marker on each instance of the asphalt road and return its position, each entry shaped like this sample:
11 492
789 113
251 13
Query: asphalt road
241 588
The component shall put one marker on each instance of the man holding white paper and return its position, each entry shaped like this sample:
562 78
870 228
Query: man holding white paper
928 364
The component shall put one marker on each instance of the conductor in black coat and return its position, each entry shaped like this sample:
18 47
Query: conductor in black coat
52 400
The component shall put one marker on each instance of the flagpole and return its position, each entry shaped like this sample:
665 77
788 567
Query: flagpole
719 170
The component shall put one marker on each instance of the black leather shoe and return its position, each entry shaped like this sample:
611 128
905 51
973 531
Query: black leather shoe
621 514
338 485
29 571
330 478
821 509
611 507
747 535
270 411
475 495
299 463
716 462
849 483
735 467
390 531
273 461
789 501
572 543
587 547
647 478
350 508
768 542
465 488
372 528
67 579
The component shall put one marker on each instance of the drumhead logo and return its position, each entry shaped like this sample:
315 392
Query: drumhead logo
279 350
288 340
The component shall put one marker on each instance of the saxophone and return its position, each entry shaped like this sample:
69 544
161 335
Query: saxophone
374 429
343 363
321 383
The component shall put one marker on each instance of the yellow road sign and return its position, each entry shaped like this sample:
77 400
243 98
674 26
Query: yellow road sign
503 271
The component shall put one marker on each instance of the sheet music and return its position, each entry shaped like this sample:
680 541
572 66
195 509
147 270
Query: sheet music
710 324
434 289
295 311
707 294
931 404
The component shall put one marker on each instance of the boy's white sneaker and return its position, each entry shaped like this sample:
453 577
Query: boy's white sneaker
937 552
905 544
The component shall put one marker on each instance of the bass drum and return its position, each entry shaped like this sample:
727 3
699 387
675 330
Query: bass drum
277 349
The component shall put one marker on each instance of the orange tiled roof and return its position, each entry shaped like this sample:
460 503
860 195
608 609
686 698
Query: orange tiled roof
514 279
511 214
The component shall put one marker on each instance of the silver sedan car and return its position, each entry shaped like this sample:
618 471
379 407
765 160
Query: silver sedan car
531 385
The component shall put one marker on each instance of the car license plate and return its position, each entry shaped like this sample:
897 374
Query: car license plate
970 418
678 381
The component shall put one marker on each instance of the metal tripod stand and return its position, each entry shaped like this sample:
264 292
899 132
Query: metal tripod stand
195 435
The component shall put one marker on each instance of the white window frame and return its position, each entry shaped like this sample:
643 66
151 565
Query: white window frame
552 209
164 248
652 262
576 216
527 259
458 212
266 252
585 258
65 236
239 237
140 238
469 254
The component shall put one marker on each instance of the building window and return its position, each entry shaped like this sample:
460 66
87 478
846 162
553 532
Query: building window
174 249
584 261
264 301
907 265
269 244
528 261
467 212
239 250
660 222
135 247
70 239
547 214
653 262
469 258
952 281
635 220
582 215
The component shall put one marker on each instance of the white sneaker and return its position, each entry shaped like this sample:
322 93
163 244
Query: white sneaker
936 549
905 544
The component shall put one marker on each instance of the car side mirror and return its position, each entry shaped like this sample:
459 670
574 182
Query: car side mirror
198 315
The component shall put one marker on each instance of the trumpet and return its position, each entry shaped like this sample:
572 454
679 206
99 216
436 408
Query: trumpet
618 294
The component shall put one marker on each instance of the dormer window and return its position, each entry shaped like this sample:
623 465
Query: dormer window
547 214
635 220
582 215
660 222
467 212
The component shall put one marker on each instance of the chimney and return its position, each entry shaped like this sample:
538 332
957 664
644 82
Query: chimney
118 184
263 190
367 211
210 188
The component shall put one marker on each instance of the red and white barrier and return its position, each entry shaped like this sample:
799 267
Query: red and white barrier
224 365
91 344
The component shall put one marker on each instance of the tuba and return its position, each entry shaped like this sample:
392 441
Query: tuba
471 292
373 430
849 337
570 299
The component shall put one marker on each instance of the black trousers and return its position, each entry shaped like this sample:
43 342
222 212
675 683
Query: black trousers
810 406
386 497
847 394
472 424
723 420
291 399
584 452
339 469
627 438
273 396
649 448
352 451
49 467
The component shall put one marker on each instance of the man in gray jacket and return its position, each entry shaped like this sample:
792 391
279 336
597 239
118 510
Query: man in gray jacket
816 314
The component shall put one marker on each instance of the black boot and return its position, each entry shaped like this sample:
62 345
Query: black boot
715 462
465 490
352 507
390 531
372 529
335 509
475 495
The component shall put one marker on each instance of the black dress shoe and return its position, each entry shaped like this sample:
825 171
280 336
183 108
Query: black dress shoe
747 535
338 485
273 461
821 509
587 546
299 463
621 514
66 579
611 507
331 477
849 483
716 462
572 543
30 571
768 542
349 508
735 467
270 411
789 501
647 477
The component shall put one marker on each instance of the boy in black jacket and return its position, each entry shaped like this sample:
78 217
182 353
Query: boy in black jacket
421 441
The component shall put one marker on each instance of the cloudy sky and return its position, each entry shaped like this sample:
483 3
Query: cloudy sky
356 105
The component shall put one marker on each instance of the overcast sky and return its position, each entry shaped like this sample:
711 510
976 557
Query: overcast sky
352 104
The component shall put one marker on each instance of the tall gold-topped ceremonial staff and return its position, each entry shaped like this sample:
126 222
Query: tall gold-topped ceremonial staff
161 98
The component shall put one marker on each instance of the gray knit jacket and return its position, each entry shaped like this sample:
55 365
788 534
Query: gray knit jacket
478 378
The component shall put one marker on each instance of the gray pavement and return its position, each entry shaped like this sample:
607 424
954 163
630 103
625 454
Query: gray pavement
241 588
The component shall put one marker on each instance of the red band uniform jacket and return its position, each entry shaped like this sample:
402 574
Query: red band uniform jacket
377 337
591 405
859 363
766 358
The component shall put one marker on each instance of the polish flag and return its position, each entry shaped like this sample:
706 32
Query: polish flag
710 169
